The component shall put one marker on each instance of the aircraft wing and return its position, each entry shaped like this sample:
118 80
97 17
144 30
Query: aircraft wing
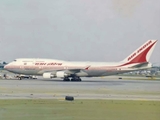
69 70
144 64
73 71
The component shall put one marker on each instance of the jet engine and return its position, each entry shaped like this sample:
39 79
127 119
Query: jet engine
61 74
48 75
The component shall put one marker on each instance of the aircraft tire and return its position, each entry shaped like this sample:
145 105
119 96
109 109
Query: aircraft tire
76 79
66 79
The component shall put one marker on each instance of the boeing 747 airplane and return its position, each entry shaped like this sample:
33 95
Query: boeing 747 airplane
72 71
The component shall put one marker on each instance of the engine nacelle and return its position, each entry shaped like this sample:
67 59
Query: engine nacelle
48 75
61 74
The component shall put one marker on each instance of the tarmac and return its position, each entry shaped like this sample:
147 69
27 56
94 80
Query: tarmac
88 88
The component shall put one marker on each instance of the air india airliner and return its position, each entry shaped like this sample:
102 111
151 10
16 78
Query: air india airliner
73 70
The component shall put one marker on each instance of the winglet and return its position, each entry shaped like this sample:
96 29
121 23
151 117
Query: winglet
87 67
142 54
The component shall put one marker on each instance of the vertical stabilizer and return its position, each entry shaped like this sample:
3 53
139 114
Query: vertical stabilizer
142 54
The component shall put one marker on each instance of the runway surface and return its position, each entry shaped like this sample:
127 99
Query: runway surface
89 88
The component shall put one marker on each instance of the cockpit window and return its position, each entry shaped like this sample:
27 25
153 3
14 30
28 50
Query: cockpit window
14 60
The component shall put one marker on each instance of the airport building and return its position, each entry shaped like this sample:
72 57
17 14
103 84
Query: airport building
2 64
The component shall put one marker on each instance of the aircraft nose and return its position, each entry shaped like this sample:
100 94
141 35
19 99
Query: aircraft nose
6 67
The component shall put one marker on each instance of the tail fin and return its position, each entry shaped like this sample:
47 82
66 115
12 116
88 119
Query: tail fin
142 54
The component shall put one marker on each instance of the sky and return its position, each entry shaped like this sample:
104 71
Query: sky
78 30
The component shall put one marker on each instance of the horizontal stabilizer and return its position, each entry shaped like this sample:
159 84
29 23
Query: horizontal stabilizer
140 65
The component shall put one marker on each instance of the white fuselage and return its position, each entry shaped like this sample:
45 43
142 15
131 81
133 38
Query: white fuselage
81 69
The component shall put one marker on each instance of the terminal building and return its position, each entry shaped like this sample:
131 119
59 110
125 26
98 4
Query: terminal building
2 64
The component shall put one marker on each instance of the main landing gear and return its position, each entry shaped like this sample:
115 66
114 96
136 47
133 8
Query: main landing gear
75 78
